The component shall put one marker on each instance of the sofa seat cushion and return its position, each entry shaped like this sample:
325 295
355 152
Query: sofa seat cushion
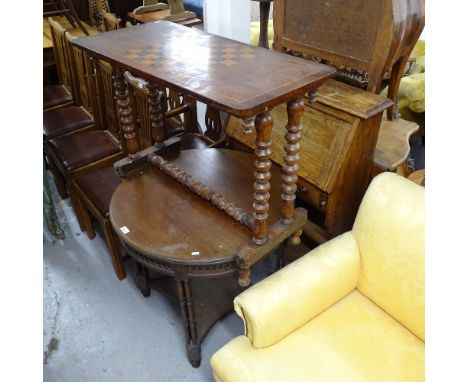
55 95
57 122
353 340
99 185
78 150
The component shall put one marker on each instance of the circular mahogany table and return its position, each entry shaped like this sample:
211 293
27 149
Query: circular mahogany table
182 243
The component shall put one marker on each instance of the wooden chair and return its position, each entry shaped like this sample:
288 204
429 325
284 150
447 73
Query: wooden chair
71 119
97 10
73 152
95 186
363 40
111 22
65 8
58 95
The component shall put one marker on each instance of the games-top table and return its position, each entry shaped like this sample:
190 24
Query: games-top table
230 75
187 215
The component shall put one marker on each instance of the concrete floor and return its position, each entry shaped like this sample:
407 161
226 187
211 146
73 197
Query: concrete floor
99 329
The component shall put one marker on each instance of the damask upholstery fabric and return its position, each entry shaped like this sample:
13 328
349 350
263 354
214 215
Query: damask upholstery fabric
351 310
299 292
389 230
354 340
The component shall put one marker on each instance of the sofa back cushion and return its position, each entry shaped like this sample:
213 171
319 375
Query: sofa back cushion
389 230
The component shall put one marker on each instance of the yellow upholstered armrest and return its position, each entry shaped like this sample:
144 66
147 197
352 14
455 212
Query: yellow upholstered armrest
286 300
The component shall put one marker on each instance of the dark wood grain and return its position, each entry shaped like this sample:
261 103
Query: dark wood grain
185 222
208 67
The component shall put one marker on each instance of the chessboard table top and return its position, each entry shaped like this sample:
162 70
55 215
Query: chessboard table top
241 79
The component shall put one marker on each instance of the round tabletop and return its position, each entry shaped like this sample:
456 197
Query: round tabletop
155 215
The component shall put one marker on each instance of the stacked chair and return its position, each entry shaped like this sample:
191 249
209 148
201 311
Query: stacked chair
82 138
72 150
95 186
55 96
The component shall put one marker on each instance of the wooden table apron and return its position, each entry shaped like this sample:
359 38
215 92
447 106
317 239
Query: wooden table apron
242 80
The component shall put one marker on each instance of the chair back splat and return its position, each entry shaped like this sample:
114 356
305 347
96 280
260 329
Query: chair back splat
83 77
105 90
141 98
60 52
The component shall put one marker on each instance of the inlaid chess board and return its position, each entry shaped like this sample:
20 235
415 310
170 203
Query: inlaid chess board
238 78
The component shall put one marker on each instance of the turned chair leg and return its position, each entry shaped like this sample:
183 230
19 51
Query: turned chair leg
77 207
58 179
85 216
114 250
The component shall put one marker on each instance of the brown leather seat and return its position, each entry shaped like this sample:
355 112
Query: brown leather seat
65 120
78 150
55 95
99 185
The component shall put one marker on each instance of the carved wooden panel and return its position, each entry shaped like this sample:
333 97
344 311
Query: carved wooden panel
81 76
106 88
59 45
317 23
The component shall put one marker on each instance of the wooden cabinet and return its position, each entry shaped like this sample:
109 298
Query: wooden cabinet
339 135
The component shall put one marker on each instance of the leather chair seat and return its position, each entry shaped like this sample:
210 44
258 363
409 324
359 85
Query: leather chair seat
55 95
65 120
99 185
78 150
353 340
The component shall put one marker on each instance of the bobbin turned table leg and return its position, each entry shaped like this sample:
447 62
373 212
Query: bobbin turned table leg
290 167
122 96
156 113
263 126
291 158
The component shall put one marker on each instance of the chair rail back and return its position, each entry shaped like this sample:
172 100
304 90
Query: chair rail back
107 106
82 74
60 52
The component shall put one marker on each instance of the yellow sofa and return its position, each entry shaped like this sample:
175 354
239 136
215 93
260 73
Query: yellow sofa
350 310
